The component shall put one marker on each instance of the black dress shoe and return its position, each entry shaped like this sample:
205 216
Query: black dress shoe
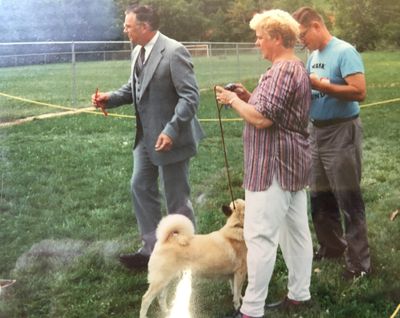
287 304
137 261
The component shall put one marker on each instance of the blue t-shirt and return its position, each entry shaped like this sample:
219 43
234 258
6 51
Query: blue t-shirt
336 61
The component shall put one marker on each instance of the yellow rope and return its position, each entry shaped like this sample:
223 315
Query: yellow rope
396 311
93 111
36 102
380 103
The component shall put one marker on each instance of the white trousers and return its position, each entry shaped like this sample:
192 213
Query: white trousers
273 217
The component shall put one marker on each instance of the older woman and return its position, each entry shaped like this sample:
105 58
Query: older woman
276 165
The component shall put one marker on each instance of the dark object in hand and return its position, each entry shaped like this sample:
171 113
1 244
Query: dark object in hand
230 87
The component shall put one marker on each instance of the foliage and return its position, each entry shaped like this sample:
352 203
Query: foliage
181 19
367 24
357 23
238 16
292 5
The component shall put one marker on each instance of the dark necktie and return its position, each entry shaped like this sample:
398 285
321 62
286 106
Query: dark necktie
140 61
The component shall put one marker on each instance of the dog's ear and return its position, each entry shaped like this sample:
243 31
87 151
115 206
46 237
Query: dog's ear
227 210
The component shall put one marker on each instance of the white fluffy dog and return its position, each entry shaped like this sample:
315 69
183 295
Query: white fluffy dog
220 253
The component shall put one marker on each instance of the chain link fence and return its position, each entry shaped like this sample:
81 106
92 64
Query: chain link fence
44 69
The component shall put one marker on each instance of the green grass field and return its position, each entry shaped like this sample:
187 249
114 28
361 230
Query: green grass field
65 210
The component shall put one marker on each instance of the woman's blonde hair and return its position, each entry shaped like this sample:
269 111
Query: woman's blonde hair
277 22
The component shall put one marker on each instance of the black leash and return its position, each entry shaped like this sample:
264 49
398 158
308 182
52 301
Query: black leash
219 108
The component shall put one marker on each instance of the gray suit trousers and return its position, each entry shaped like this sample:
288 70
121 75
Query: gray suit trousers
174 179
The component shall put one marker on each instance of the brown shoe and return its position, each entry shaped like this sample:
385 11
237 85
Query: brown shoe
134 261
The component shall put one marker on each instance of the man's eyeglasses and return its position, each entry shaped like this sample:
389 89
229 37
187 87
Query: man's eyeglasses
303 34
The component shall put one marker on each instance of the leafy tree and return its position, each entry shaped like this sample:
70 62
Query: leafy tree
388 22
355 22
238 18
368 24
181 19
291 5
215 13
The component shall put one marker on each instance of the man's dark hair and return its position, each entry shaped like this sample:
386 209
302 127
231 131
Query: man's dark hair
146 14
306 15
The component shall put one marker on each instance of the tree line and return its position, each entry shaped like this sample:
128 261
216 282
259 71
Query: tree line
368 24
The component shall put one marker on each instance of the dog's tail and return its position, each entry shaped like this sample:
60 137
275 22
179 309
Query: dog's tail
174 224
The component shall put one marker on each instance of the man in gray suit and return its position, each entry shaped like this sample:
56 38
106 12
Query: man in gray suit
165 95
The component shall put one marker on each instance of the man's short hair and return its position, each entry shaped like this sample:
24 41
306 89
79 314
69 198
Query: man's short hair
306 15
145 14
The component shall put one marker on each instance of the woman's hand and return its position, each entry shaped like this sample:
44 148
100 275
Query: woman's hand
242 92
225 96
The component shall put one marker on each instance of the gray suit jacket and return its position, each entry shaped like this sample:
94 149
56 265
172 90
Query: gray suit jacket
168 100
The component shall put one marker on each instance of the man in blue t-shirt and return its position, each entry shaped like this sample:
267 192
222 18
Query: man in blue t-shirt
338 85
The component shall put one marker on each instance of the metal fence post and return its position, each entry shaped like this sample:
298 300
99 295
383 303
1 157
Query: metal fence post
238 61
73 60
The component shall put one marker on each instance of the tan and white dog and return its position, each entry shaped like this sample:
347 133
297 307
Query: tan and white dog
217 254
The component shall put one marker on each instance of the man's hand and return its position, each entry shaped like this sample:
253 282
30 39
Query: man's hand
99 99
354 90
164 143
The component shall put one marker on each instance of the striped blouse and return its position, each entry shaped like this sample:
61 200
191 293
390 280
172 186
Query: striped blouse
282 150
